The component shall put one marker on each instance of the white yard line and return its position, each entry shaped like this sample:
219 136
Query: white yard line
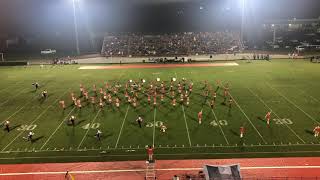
315 99
21 107
143 170
172 154
308 115
10 86
63 120
261 100
164 147
248 119
215 117
38 117
84 137
185 120
124 119
4 102
154 127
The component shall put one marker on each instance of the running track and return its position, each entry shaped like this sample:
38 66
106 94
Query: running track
134 170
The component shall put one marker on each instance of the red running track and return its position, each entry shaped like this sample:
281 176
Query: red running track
134 170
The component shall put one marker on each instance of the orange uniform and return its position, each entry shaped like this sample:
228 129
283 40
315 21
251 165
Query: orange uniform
200 117
63 106
174 102
316 131
86 96
267 117
134 103
101 103
117 102
79 103
149 99
242 130
154 100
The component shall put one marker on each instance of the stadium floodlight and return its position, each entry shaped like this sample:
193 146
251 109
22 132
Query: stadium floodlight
75 25
272 25
243 7
290 25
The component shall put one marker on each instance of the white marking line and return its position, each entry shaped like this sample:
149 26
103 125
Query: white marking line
315 99
154 127
143 170
10 86
261 100
175 154
215 117
247 118
19 109
63 120
185 120
12 97
124 119
216 147
38 117
15 113
22 91
88 129
293 104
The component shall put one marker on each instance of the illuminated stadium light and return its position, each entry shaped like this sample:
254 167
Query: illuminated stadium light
75 25
272 25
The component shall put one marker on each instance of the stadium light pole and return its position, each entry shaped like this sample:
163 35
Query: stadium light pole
243 5
75 26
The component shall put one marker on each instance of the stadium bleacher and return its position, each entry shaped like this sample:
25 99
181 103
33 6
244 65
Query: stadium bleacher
188 43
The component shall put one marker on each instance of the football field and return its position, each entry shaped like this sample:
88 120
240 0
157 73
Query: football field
289 89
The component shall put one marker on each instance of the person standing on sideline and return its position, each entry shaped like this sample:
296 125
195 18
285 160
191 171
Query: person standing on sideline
150 153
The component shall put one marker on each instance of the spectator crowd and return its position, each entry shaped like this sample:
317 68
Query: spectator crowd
188 43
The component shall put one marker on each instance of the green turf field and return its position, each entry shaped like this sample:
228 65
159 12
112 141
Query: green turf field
289 89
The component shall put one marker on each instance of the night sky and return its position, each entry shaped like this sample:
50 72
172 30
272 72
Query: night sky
97 16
